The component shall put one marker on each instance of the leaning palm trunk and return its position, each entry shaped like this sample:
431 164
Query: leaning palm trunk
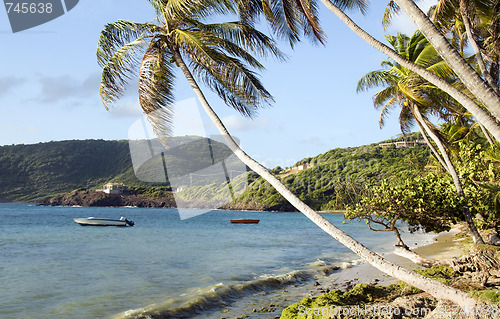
420 260
464 71
478 112
475 46
431 146
486 134
433 287
451 169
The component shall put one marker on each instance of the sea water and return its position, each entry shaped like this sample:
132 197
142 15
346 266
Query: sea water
50 267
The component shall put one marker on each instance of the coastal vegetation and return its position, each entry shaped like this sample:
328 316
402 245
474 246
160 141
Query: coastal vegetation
337 178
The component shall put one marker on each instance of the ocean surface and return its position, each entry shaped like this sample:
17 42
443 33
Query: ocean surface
50 267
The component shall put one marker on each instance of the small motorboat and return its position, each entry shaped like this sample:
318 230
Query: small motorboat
244 221
92 221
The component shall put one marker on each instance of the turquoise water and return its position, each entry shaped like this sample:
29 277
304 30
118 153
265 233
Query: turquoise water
50 267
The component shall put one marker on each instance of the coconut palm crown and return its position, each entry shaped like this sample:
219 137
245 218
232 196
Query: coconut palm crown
416 97
290 19
220 54
403 87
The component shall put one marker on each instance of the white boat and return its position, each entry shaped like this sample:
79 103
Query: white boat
92 221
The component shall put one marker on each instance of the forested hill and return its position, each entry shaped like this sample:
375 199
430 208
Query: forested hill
37 171
327 181
32 172
336 178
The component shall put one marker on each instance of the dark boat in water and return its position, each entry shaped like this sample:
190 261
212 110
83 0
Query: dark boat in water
244 221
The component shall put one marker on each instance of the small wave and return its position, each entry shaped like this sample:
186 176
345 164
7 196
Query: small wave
220 295
217 296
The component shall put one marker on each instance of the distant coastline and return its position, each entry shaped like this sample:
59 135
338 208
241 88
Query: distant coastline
93 198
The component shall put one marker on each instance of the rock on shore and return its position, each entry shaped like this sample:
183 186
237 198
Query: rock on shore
90 198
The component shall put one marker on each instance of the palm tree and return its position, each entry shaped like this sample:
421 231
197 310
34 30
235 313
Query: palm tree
215 53
416 98
479 113
477 86
276 11
475 22
457 17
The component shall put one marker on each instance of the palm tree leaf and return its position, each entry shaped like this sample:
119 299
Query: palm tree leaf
375 78
177 10
361 5
227 76
156 85
119 69
391 10
384 113
406 119
309 13
385 97
115 35
240 36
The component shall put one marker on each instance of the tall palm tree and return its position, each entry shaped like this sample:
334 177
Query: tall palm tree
475 23
278 7
214 53
478 86
481 115
416 98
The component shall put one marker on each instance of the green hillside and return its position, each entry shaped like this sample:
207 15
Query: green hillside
334 179
328 181
32 172
37 171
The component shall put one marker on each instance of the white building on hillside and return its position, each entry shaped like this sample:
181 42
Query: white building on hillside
114 188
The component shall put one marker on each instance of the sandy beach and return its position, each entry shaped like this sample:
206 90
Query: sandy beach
443 247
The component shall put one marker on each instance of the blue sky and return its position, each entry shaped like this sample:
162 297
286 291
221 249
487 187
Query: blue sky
49 83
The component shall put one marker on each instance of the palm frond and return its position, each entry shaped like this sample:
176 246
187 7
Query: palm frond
391 10
374 79
386 97
310 20
384 112
156 85
243 36
361 5
116 35
406 118
119 69
227 76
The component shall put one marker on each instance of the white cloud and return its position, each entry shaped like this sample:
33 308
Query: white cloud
58 88
9 82
239 123
126 109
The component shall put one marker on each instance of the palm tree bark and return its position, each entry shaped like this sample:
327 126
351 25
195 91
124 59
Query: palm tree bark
431 146
478 112
464 71
433 287
475 46
454 175
486 134
420 260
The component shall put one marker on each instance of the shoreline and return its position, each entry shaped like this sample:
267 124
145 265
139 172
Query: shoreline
271 304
